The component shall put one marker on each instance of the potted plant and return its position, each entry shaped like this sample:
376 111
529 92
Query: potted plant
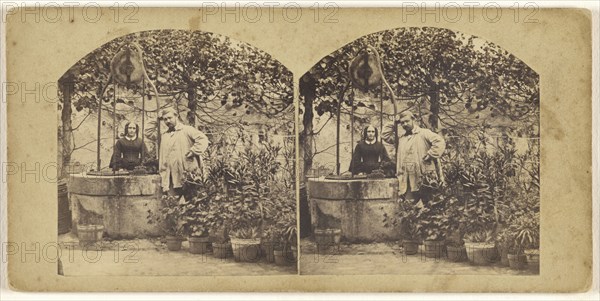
519 234
480 246
434 226
268 242
221 209
533 260
479 224
406 220
508 244
292 239
221 245
455 244
411 239
217 185
432 216
480 182
455 248
196 211
245 243
245 221
504 241
285 249
169 217
516 258
279 222
280 210
528 236
281 252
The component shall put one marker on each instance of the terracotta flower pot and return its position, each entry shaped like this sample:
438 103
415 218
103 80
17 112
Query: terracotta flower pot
456 253
411 247
434 248
174 243
517 261
200 245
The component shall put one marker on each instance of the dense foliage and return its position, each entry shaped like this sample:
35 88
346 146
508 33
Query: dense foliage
213 81
241 192
453 81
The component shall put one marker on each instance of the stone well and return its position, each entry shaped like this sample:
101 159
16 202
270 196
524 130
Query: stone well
357 206
121 202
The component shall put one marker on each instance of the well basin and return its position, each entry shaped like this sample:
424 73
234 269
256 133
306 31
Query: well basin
357 206
120 203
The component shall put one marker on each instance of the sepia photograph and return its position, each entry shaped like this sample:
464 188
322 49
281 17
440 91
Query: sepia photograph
419 154
297 148
177 157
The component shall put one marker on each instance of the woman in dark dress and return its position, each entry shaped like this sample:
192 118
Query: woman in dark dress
369 153
127 153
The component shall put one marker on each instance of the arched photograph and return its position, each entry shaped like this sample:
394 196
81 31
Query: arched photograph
419 154
177 157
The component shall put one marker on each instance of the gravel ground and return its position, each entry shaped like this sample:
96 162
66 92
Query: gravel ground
150 257
386 258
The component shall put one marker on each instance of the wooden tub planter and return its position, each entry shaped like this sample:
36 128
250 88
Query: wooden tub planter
533 260
267 248
280 258
246 249
503 254
456 253
411 247
517 261
283 256
480 253
89 234
222 249
434 248
200 244
327 238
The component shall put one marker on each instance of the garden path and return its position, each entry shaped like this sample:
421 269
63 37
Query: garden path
150 257
386 258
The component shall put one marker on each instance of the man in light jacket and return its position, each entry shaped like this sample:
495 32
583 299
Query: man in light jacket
419 150
181 148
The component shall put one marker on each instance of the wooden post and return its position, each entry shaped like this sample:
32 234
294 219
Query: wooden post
352 127
143 117
337 137
381 111
114 122
99 132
